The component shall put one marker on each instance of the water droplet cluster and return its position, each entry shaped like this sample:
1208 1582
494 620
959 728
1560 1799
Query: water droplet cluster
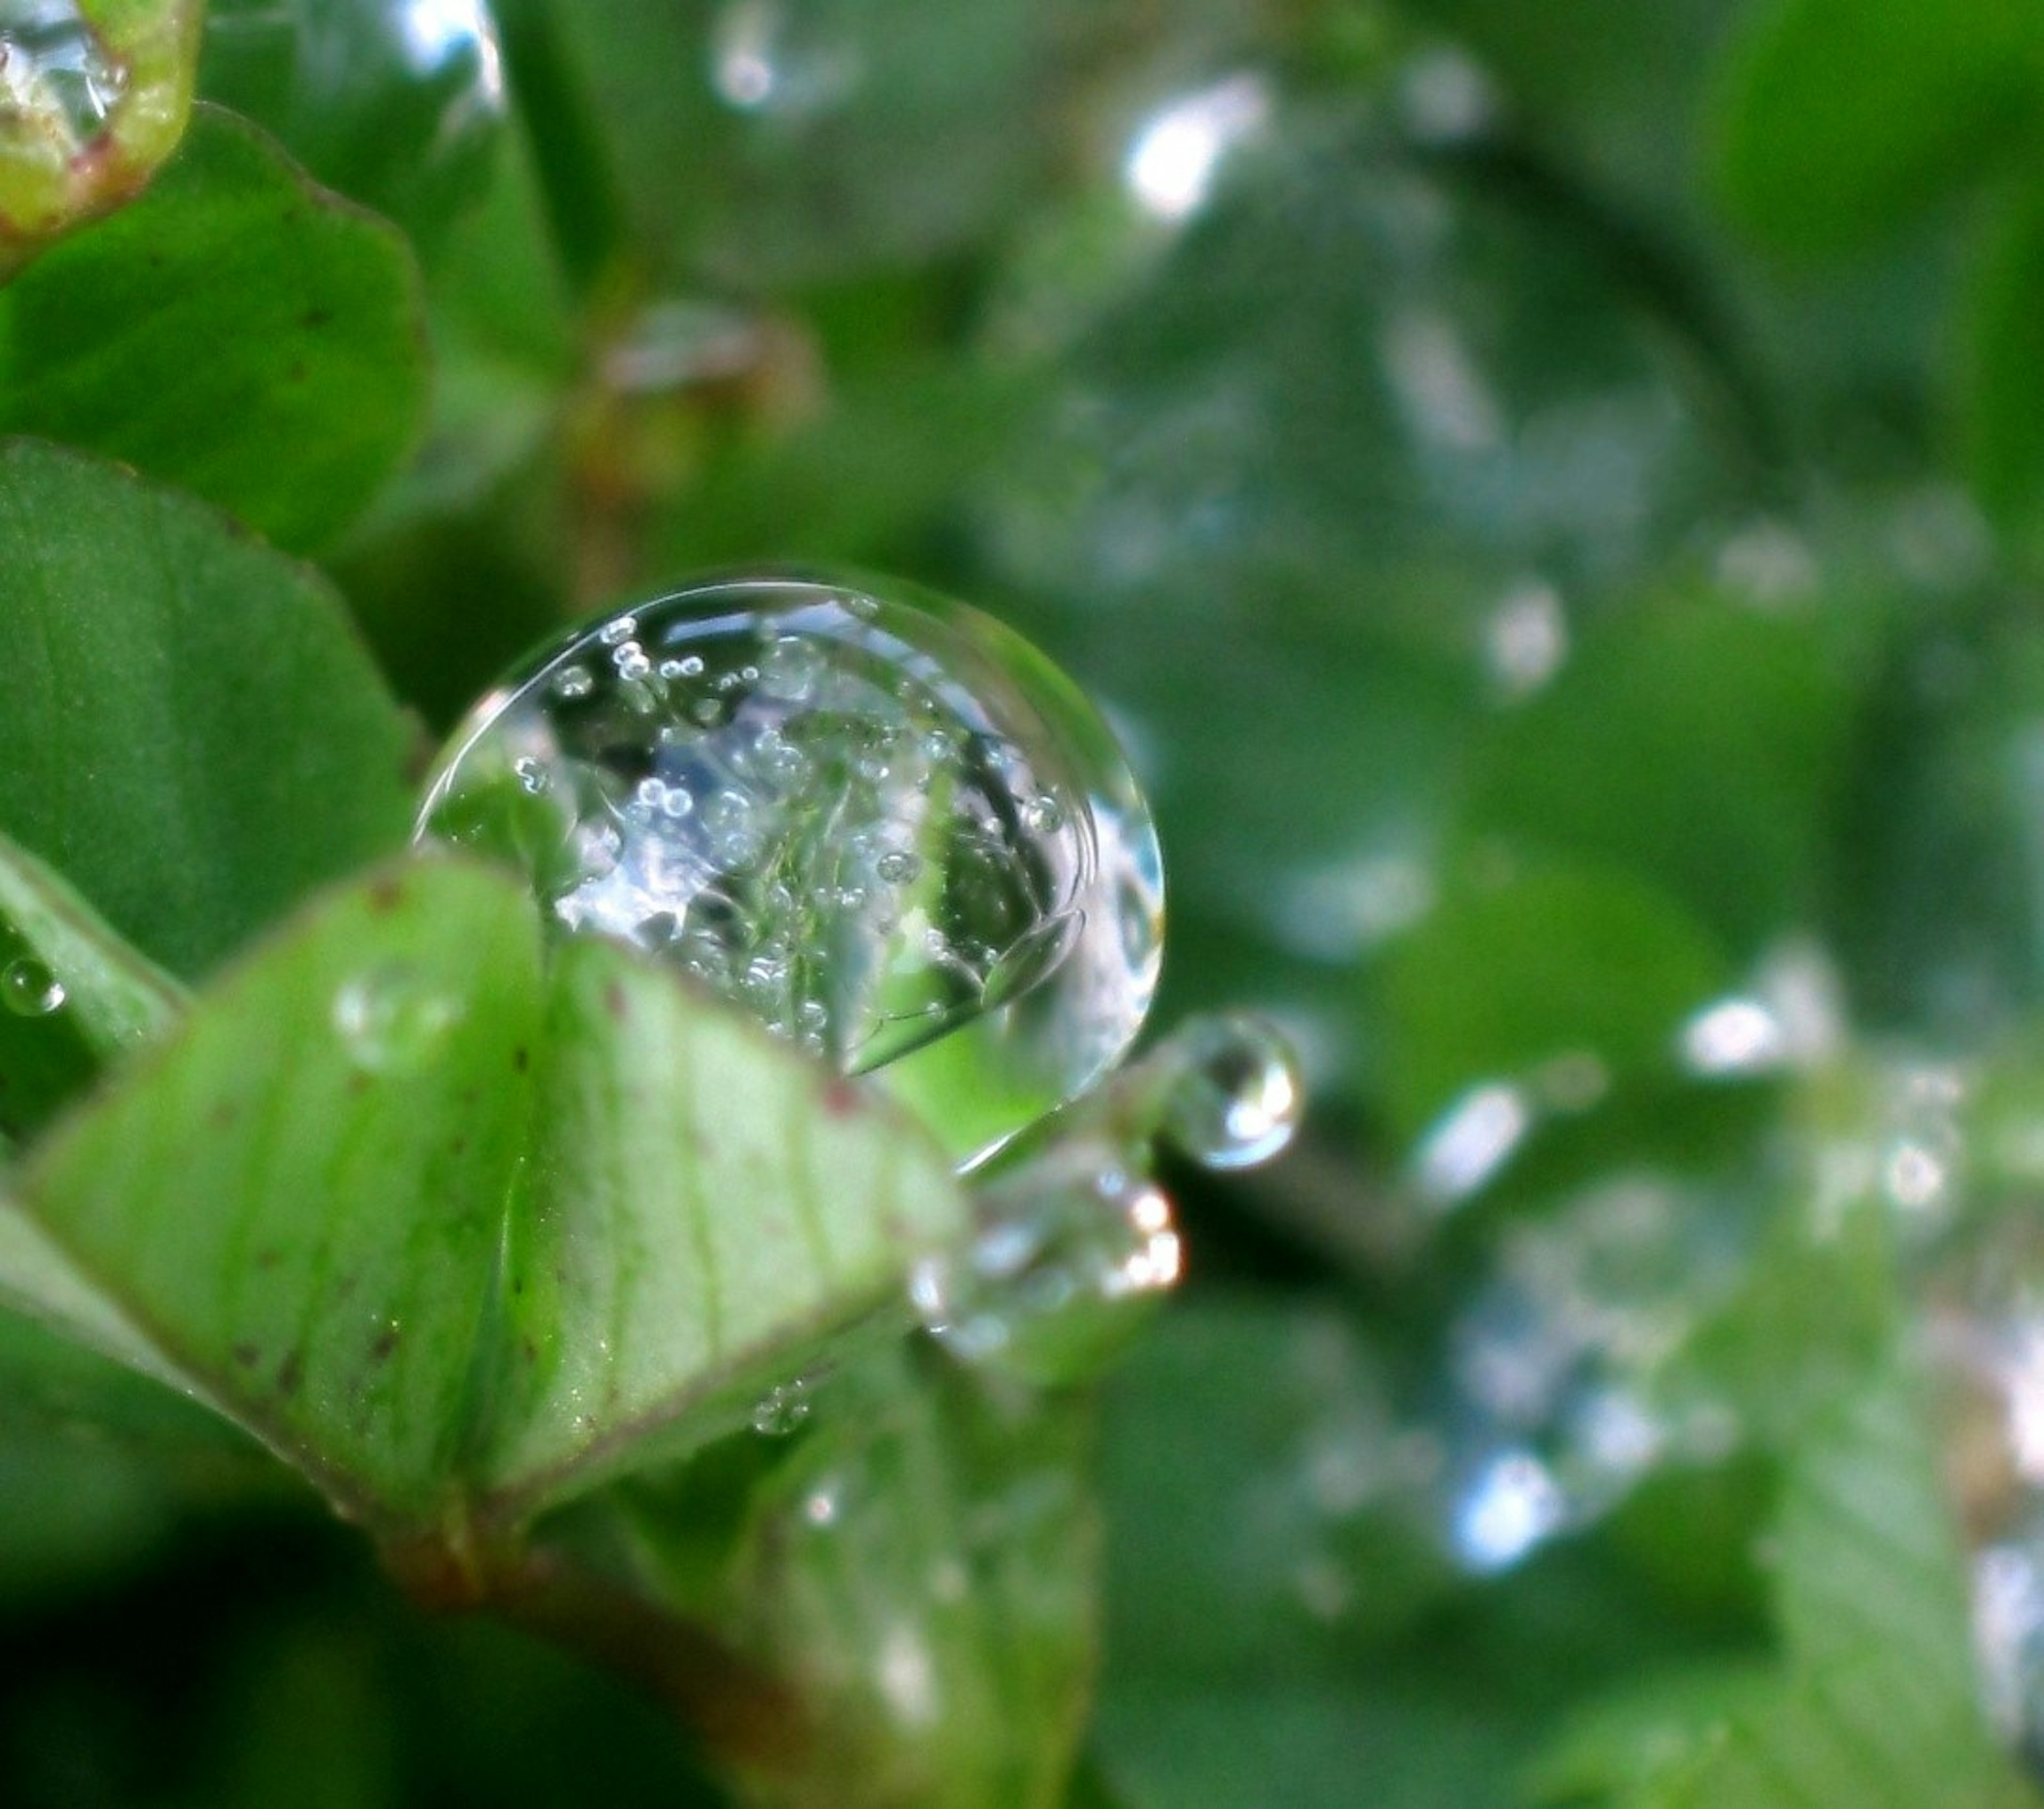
885 828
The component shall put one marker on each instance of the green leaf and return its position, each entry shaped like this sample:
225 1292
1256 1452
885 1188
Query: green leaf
313 1240
1879 1705
1696 743
2003 364
1840 119
73 996
1553 964
398 106
196 738
238 332
704 1210
486 1230
921 1567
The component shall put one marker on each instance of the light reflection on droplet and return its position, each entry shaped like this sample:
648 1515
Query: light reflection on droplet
1527 639
435 32
1173 159
1471 1141
1445 396
1791 1017
908 1677
1513 1507
1446 97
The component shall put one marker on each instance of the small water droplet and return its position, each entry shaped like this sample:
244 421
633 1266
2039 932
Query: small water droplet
897 867
532 775
394 1020
1071 1248
782 1409
1237 1097
572 683
30 989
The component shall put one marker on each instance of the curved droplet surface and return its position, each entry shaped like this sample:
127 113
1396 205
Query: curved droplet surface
1236 1095
30 990
890 829
392 1020
1071 1252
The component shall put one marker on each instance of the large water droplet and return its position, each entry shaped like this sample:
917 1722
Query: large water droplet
1072 1248
1237 1096
30 989
892 831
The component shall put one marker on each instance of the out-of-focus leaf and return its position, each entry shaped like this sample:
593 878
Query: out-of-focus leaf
196 738
2004 365
1840 119
1273 1514
1935 907
822 139
922 1568
1881 1704
397 104
237 331
1697 744
1557 974
73 996
98 93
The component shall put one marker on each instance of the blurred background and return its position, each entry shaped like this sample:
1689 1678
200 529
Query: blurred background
1550 496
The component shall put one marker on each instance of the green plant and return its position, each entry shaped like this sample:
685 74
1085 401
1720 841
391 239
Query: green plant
1549 496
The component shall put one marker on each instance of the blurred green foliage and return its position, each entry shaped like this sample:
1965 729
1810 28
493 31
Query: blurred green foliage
1552 496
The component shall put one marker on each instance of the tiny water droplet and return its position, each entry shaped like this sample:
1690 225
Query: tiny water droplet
30 989
1237 1097
803 757
783 1408
1071 1249
394 1020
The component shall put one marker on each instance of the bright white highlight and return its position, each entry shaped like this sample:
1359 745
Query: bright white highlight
1171 164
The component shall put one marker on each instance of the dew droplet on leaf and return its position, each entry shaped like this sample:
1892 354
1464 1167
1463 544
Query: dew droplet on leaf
30 989
392 1020
782 1409
889 829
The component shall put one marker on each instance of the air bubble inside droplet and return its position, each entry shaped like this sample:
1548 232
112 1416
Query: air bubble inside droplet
30 990
930 837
